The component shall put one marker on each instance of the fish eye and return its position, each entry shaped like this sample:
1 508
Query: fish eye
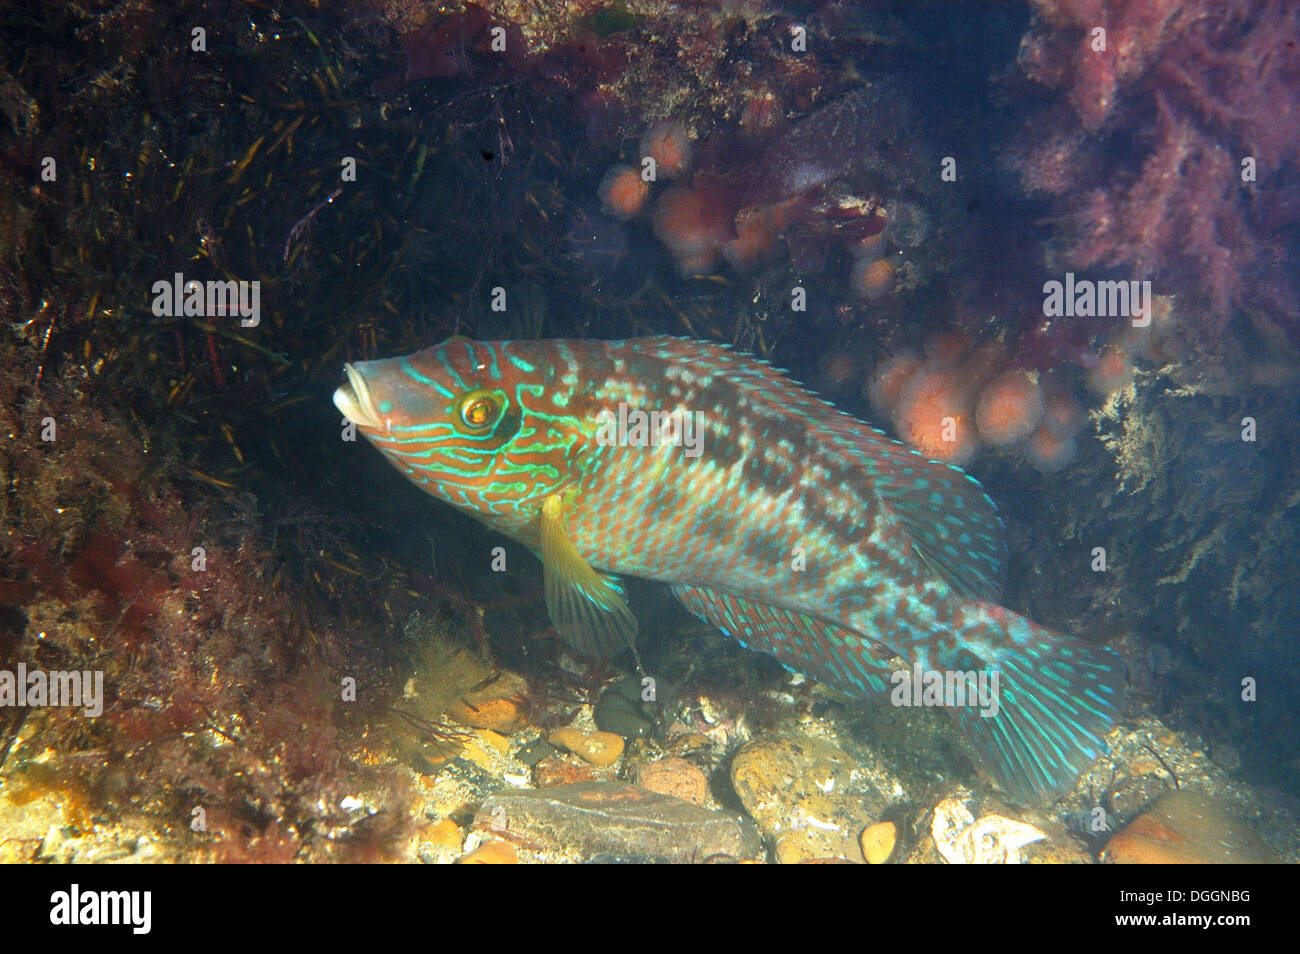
479 410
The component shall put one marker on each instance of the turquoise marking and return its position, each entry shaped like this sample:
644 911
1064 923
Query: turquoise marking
409 370
452 372
520 363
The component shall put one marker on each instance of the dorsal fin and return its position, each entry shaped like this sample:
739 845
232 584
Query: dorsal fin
952 524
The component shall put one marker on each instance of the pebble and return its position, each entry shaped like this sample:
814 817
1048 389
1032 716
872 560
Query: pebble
674 776
622 710
485 749
589 819
992 840
552 771
444 834
878 842
533 752
806 795
598 748
491 853
500 706
1186 828
494 741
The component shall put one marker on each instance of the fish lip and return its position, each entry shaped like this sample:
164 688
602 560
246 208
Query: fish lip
353 399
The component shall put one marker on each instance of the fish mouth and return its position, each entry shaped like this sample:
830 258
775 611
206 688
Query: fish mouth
353 399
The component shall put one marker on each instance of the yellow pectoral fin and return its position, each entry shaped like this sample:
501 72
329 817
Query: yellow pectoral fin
588 608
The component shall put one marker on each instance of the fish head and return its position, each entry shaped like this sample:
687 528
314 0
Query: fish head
481 425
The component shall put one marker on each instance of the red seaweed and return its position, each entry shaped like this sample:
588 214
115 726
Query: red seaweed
1173 153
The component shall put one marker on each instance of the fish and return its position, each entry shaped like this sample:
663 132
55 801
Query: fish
790 525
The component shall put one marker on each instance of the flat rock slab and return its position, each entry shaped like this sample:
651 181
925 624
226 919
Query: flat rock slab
589 819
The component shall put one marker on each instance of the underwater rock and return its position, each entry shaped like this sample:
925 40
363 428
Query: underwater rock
877 842
993 840
443 835
806 794
533 752
821 837
552 771
500 706
1186 828
860 138
599 748
622 710
491 853
593 818
488 751
676 777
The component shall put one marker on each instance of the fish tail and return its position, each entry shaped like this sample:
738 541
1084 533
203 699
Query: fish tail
1057 699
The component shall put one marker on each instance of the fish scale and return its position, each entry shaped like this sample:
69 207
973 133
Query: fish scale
797 529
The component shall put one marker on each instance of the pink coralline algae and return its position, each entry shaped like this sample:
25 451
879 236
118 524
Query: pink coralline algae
1172 154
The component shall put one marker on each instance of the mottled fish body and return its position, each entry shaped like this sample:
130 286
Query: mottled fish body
793 527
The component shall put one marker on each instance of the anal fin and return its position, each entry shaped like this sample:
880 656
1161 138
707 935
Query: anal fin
839 657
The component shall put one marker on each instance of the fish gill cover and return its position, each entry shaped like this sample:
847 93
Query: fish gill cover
1038 258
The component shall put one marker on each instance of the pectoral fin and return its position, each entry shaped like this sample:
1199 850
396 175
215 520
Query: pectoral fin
588 608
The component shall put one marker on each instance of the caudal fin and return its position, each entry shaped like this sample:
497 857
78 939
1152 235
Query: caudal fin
1057 699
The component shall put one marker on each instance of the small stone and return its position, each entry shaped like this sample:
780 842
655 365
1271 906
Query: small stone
444 834
1186 828
494 741
993 840
534 752
491 853
591 819
676 777
552 771
877 842
598 748
500 715
622 710
501 706
482 753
